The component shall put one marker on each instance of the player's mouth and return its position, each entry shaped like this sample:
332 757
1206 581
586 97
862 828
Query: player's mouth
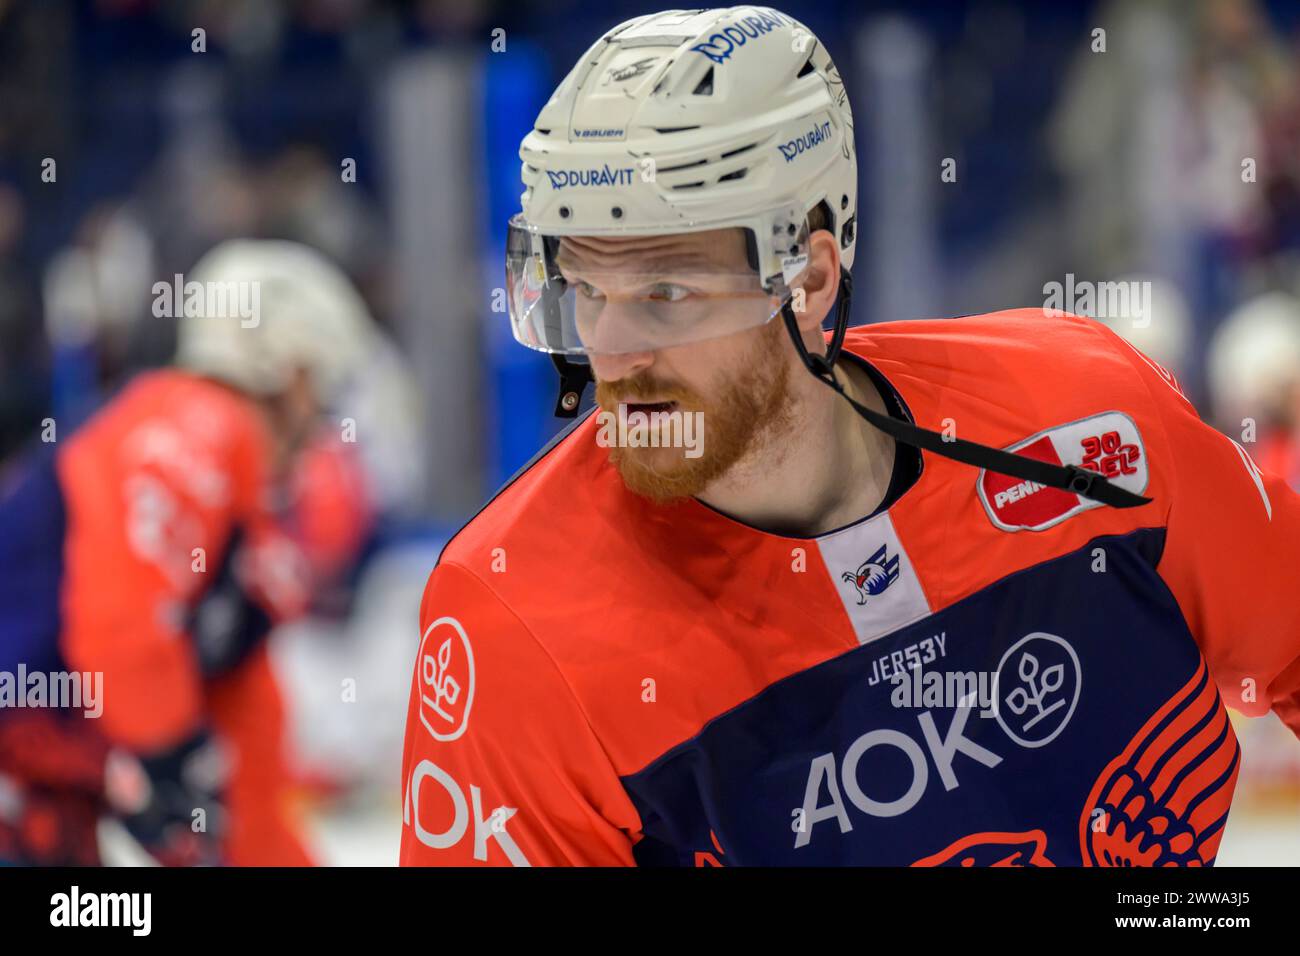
650 408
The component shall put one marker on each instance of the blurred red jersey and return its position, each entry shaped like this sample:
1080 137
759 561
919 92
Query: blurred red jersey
149 498
154 487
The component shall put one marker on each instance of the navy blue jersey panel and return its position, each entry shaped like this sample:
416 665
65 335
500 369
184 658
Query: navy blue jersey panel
1044 680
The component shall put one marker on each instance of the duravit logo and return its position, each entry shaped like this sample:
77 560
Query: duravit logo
821 133
605 176
722 44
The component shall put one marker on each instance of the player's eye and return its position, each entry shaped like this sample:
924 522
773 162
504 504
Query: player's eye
668 292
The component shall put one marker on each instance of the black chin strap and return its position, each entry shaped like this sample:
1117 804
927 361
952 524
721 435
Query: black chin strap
574 377
1071 478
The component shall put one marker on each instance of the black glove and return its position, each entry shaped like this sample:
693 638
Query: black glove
226 623
170 802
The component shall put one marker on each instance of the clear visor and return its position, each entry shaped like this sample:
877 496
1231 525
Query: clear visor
610 294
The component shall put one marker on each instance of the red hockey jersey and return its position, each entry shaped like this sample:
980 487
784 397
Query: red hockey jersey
988 672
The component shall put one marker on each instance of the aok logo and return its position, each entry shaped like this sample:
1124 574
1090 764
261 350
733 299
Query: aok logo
1038 684
490 827
846 777
446 677
1039 679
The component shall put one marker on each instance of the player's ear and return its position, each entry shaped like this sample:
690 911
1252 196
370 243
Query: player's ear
819 281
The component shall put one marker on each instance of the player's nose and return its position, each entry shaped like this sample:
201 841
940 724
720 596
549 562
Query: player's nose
620 365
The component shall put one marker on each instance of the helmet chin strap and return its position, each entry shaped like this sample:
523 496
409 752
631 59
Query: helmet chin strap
574 378
1071 478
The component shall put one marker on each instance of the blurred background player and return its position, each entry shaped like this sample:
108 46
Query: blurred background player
1254 372
195 509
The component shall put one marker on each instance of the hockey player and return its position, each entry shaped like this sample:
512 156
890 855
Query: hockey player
973 592
145 554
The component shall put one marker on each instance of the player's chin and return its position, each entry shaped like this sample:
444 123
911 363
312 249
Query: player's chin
664 475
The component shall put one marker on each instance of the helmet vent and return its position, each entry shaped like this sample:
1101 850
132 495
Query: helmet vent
805 69
673 169
737 152
738 174
690 185
705 86
674 129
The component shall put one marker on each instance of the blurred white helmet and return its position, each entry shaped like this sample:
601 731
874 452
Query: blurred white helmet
1158 324
1254 357
676 122
270 307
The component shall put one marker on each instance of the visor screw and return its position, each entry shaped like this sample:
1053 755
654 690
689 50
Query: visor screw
570 401
617 212
564 212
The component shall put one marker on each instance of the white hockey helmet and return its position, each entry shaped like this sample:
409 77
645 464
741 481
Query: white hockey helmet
1254 358
676 122
267 308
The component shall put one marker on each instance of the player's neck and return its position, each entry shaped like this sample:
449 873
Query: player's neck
828 470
